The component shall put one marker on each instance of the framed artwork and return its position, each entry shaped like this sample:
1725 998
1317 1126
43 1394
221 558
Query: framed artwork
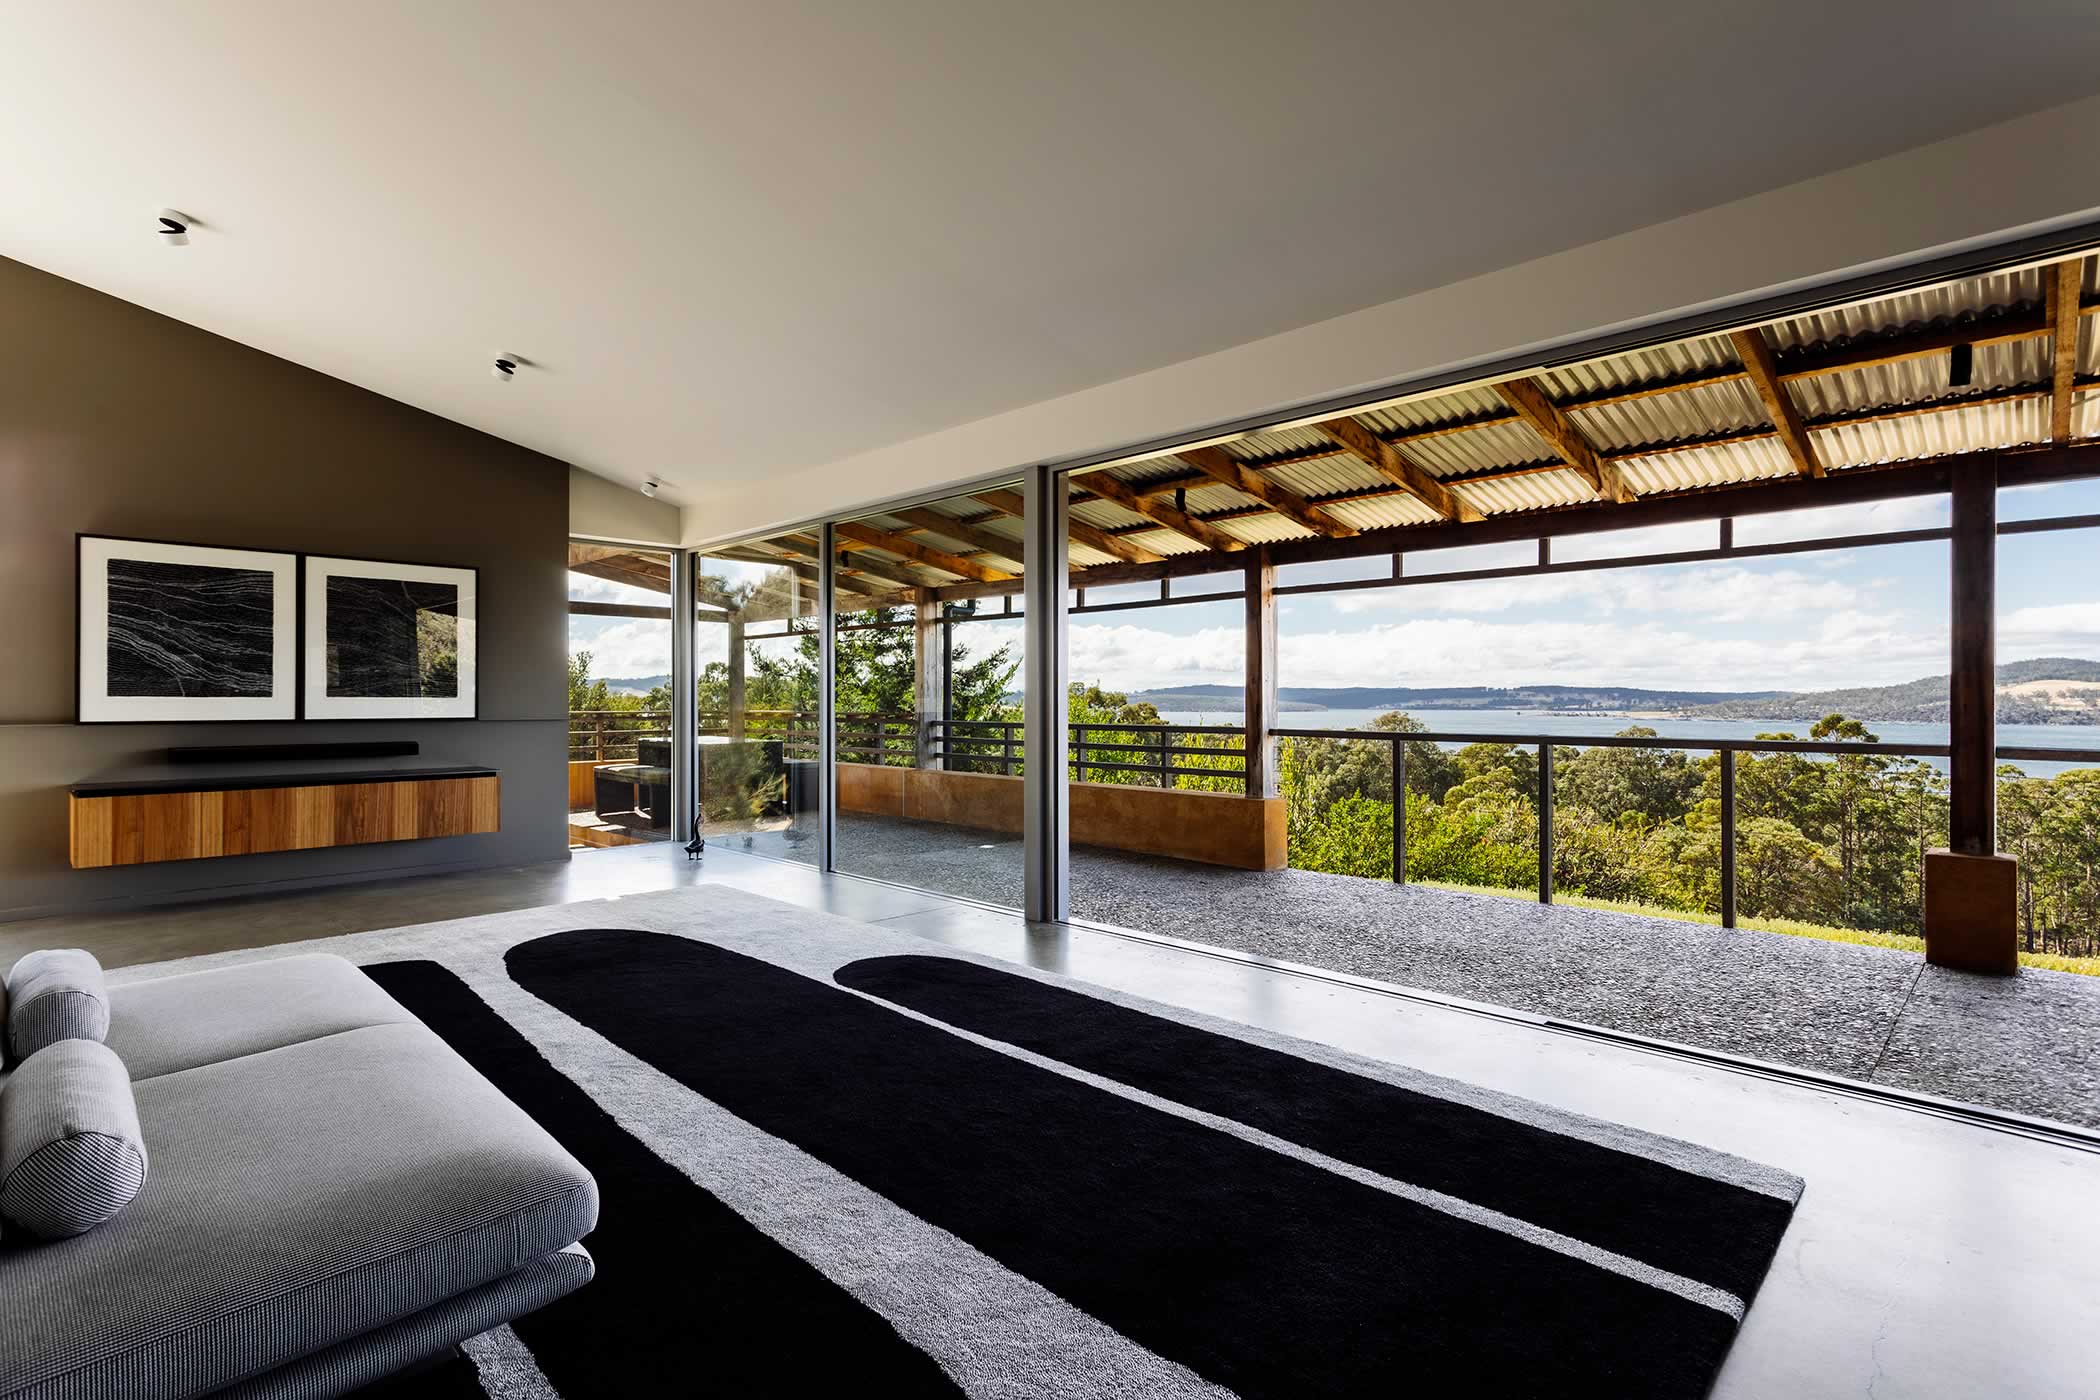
388 641
180 632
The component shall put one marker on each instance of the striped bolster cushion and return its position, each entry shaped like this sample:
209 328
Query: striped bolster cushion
54 994
71 1155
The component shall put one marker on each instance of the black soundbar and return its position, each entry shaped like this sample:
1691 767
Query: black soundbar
251 753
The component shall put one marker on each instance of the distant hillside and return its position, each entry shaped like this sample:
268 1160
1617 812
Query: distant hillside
1614 699
1213 697
2048 690
635 685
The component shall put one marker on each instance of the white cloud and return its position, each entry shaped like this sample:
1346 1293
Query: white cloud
1706 593
1646 539
1488 595
1845 650
1732 593
1907 513
2055 629
1124 656
634 647
1844 647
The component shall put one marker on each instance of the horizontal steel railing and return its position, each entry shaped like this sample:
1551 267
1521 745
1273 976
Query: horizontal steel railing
1545 744
996 744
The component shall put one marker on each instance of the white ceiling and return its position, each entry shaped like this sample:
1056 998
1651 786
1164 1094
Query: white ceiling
747 238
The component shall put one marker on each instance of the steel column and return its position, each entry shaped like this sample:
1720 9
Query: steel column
1972 684
1045 788
1260 675
685 715
827 706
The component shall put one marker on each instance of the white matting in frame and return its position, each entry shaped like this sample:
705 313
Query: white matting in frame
389 641
174 633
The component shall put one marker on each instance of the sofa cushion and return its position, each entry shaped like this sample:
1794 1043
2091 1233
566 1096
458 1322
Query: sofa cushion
54 994
201 1018
71 1155
300 1196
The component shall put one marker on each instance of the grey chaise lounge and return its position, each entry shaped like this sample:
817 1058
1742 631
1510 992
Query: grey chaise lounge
334 1194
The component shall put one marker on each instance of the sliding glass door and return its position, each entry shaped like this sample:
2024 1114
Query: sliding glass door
620 664
756 665
928 693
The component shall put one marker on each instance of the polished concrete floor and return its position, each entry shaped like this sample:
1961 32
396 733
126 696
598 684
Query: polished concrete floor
1932 1255
2028 1044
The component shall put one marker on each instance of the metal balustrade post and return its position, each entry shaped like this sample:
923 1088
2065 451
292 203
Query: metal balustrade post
1399 811
1727 837
1546 822
1166 776
1079 753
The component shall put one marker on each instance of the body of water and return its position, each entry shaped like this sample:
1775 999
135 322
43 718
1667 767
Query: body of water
1579 726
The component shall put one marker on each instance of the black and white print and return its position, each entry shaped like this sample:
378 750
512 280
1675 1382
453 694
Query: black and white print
184 632
388 640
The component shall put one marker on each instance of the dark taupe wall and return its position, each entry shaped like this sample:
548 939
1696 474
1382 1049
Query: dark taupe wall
118 421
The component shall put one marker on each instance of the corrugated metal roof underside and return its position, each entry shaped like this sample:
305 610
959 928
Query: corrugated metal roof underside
1503 466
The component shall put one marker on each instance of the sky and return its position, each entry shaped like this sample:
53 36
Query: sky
620 646
1871 615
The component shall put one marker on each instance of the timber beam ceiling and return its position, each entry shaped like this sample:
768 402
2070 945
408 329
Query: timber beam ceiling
1800 364
807 546
2065 281
1218 465
966 532
635 568
1160 513
1356 436
1851 486
956 564
1093 537
1530 403
1758 363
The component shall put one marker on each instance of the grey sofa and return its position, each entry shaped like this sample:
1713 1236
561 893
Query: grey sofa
334 1195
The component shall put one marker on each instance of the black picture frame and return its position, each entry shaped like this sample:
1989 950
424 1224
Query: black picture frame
205 670
316 700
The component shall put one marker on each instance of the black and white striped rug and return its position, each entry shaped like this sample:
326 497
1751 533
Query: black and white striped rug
835 1159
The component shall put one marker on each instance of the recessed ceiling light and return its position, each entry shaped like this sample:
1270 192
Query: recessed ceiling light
173 226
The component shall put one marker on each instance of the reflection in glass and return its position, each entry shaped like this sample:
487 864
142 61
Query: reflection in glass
755 685
927 698
619 696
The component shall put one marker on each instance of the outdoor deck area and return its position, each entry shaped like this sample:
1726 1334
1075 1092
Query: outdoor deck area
2029 1044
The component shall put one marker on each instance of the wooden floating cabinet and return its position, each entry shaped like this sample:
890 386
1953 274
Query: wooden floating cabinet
234 818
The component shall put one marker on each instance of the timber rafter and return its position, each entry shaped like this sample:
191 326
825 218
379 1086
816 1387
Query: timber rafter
1160 513
1009 503
1216 464
1529 401
1357 437
2065 281
941 559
